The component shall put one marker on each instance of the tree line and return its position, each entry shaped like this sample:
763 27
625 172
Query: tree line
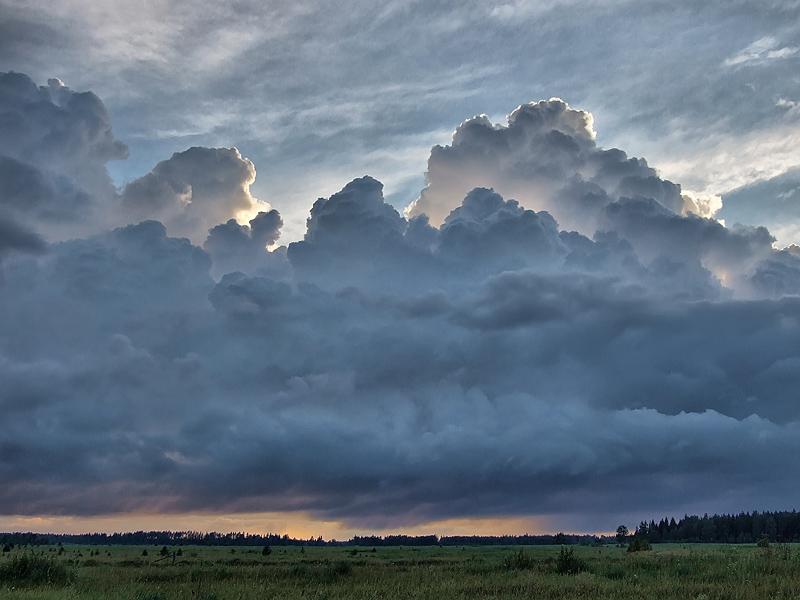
196 538
744 528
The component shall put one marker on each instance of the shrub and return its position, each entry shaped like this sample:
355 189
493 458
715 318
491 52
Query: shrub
517 561
638 544
339 569
568 563
30 569
784 552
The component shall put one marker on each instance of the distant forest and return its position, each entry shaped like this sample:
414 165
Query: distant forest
744 528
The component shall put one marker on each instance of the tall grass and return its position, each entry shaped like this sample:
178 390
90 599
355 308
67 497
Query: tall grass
29 569
670 572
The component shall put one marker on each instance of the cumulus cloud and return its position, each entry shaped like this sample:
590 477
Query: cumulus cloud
235 247
385 371
353 237
54 145
547 159
193 191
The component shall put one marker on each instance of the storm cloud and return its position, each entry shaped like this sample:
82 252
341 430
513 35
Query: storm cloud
54 146
548 331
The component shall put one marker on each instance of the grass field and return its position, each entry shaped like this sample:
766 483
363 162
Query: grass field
699 572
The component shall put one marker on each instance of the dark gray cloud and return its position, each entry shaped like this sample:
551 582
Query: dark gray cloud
354 237
15 237
235 247
486 229
54 145
385 372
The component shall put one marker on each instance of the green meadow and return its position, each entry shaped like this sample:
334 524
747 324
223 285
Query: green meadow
225 573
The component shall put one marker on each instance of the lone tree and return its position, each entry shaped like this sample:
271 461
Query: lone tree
622 535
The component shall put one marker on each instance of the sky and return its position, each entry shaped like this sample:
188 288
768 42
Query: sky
355 267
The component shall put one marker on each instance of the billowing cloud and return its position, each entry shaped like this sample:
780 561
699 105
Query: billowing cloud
54 146
546 158
235 247
193 191
385 371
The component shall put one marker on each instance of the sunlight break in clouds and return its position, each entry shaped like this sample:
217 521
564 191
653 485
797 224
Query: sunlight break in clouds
298 526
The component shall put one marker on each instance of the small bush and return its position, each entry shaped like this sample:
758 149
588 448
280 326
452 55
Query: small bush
221 573
30 569
783 552
638 544
338 569
568 563
517 561
613 573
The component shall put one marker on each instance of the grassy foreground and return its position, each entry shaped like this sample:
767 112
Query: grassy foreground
700 572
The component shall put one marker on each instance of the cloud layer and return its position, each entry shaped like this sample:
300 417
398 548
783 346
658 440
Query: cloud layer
548 332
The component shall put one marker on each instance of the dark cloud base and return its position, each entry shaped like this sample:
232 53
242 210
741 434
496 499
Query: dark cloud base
384 371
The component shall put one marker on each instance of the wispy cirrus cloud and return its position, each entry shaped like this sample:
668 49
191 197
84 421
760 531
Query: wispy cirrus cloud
759 52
